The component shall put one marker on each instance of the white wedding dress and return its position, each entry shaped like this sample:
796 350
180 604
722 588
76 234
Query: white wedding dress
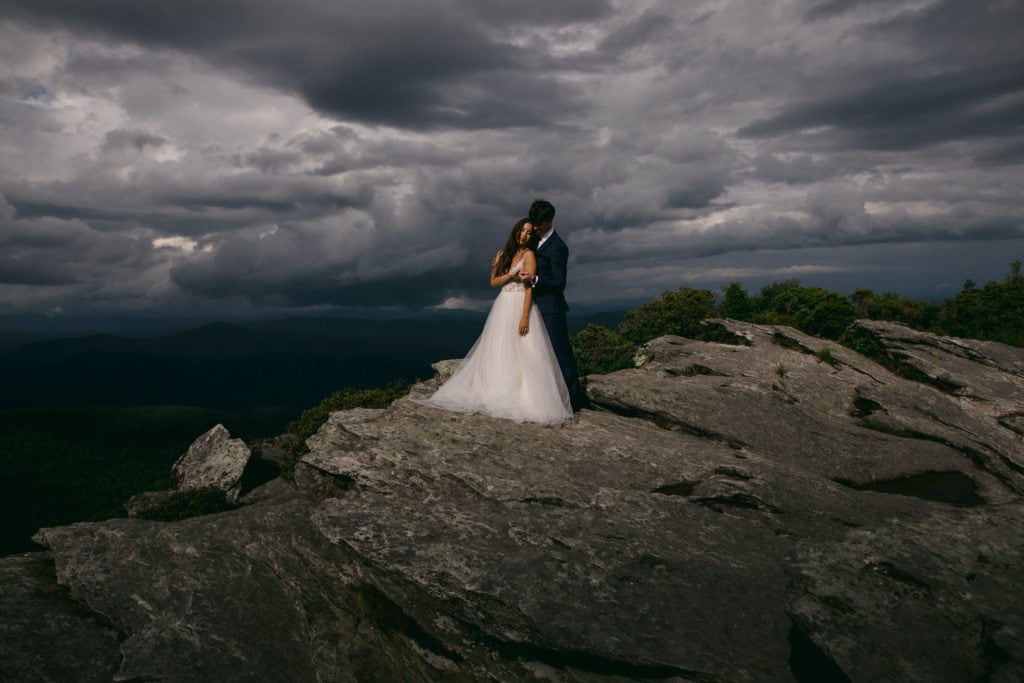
506 374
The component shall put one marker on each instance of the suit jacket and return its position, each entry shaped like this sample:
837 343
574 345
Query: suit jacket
552 264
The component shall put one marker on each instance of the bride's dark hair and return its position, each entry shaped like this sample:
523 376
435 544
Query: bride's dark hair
512 246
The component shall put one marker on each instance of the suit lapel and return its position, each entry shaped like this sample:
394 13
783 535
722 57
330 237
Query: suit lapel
548 241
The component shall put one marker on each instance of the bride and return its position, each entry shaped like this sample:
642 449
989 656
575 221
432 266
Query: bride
511 371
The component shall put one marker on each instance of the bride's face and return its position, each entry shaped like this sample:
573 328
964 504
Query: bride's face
524 234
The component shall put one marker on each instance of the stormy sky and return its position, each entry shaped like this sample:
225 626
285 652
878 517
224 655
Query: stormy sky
246 157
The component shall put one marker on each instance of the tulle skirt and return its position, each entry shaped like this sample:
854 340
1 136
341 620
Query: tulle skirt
508 375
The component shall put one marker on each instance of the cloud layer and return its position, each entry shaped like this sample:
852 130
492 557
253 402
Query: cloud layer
232 156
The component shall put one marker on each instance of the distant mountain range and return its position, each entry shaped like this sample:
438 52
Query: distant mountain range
263 367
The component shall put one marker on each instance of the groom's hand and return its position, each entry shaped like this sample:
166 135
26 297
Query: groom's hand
525 278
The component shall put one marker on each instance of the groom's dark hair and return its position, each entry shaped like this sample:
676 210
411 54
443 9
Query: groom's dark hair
541 211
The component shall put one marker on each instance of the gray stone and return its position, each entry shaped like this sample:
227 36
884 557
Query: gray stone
787 510
272 449
253 595
851 420
928 599
213 460
45 634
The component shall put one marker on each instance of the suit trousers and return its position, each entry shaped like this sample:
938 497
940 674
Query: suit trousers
558 332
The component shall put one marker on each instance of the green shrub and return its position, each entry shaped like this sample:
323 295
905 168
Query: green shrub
865 343
825 314
892 306
680 312
600 350
775 298
311 419
814 310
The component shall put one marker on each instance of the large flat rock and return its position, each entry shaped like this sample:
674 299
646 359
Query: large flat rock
252 595
611 545
788 510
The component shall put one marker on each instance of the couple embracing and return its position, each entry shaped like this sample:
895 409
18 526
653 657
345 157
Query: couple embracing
521 367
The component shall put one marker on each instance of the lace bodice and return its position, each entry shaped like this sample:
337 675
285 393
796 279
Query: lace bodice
515 285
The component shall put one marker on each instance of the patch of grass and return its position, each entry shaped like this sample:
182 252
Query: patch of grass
190 503
865 343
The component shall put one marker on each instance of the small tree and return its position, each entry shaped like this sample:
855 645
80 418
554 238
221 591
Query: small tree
736 303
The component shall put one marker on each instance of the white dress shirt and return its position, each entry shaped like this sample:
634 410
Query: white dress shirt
543 239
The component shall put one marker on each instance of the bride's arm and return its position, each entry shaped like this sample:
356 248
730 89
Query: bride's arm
530 269
499 280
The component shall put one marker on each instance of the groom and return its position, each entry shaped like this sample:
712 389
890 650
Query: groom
548 291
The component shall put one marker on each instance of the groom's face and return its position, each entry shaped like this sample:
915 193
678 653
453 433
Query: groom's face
545 227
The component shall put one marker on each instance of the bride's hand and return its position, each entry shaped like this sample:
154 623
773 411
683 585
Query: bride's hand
524 326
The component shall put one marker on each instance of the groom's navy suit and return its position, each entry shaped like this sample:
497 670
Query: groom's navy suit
549 298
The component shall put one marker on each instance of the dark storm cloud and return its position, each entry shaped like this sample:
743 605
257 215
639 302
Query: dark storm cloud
33 270
67 257
408 64
342 261
644 29
911 113
831 8
230 154
117 140
951 71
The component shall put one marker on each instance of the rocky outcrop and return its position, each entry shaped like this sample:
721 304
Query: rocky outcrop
784 510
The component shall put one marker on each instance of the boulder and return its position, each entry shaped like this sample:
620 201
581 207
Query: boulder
213 460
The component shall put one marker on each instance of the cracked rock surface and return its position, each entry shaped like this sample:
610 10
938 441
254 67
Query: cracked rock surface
768 512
